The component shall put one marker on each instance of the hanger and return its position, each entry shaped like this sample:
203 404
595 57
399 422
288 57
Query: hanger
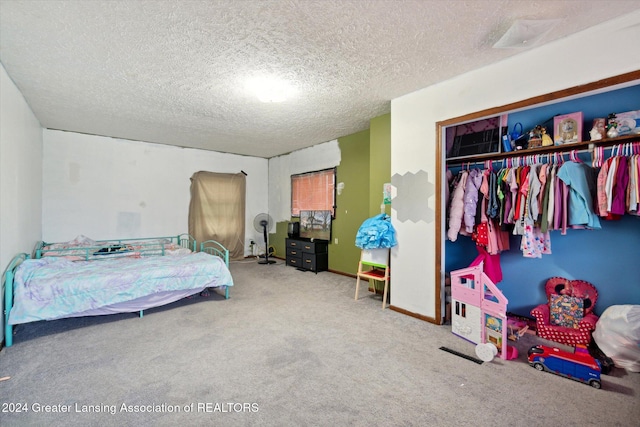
573 155
615 151
596 157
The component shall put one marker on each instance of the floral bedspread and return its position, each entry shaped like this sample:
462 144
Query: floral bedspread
52 287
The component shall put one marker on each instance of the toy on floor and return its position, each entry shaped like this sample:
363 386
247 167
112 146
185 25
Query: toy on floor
487 351
516 328
479 310
578 366
567 316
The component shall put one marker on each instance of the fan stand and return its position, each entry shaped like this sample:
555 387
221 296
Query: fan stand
266 259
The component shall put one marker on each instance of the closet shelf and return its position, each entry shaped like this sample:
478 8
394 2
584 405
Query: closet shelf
607 142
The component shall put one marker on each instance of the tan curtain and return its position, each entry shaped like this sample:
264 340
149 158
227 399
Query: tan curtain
217 208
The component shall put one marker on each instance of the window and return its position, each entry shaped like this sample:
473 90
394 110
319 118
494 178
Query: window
313 191
217 209
463 312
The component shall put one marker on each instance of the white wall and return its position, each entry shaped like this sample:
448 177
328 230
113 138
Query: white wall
20 177
579 59
318 157
106 187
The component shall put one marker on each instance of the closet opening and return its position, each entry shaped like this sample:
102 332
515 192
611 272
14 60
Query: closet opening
485 148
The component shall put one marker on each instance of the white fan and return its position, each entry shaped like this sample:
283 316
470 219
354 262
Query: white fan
263 222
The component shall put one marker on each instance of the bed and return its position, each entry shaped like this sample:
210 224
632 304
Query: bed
68 279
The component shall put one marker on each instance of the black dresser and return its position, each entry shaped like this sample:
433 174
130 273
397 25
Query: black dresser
305 255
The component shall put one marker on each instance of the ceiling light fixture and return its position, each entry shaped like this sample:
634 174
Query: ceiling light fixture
270 89
525 33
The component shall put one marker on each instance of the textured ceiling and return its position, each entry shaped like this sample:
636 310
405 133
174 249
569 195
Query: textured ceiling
174 72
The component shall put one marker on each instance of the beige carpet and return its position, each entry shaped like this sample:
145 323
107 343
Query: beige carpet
289 348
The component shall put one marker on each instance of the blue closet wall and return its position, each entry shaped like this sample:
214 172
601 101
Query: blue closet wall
609 258
592 107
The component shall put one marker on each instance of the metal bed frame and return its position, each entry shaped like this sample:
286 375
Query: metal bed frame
210 247
145 246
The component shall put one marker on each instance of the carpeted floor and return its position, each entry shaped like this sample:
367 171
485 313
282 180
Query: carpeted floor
289 348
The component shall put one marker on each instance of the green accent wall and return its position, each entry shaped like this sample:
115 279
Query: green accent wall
277 239
379 162
364 167
352 205
379 169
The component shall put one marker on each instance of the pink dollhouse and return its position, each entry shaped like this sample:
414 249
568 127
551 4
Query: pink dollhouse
478 309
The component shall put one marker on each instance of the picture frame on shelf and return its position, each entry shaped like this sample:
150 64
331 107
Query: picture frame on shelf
567 128
628 122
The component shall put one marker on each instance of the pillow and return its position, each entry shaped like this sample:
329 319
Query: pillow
82 240
566 310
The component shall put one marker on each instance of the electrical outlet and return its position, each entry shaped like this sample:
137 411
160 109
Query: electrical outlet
336 240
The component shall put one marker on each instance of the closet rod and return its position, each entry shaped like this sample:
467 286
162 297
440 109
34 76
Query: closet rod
543 156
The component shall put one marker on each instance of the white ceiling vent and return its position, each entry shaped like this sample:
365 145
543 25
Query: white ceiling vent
525 33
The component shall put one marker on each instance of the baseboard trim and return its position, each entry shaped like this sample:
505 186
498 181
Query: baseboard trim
353 276
416 315
380 292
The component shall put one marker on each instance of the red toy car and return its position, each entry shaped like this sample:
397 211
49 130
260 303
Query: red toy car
578 366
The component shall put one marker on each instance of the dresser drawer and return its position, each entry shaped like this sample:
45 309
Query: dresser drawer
294 252
294 261
309 261
314 247
294 244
